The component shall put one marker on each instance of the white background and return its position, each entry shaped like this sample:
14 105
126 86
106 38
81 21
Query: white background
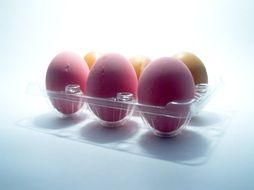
32 32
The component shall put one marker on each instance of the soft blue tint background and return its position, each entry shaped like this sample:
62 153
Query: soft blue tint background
220 32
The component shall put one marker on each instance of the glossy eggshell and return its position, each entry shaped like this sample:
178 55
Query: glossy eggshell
163 81
111 74
139 62
91 58
66 68
195 65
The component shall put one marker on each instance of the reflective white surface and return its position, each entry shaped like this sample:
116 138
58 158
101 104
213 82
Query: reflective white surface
221 32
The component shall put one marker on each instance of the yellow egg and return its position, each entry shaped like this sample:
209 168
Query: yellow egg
195 65
139 63
91 57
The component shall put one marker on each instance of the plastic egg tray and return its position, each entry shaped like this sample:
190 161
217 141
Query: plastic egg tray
123 107
193 141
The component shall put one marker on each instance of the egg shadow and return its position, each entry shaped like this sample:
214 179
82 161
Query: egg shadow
207 118
49 121
188 147
96 133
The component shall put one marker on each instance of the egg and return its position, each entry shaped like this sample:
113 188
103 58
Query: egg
165 80
91 57
66 74
195 65
139 62
111 74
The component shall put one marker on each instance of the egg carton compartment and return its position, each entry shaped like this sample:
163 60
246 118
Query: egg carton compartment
121 123
164 121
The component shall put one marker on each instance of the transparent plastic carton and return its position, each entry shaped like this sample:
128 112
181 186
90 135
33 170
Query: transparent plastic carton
164 121
121 123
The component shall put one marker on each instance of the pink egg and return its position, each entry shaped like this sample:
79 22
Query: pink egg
166 80
111 74
67 68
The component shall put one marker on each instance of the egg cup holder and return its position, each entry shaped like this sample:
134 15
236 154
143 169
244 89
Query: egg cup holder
121 123
167 121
